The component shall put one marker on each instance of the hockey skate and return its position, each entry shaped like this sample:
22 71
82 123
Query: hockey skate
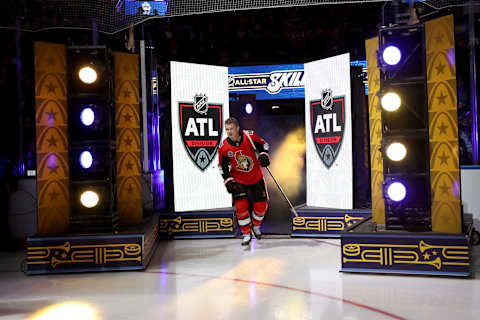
256 232
246 239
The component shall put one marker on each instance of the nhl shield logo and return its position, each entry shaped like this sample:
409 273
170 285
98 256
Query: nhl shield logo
328 124
201 129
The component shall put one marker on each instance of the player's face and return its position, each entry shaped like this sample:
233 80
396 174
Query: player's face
232 131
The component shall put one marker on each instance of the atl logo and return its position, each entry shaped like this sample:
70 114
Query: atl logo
201 127
328 123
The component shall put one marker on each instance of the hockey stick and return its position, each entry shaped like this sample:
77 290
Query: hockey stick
275 180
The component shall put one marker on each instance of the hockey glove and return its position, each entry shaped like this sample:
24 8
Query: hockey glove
263 159
231 185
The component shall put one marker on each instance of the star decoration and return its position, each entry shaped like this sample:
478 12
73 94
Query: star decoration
53 195
51 115
426 256
64 255
129 165
328 156
51 87
129 189
441 98
439 38
127 117
446 219
52 141
50 61
434 253
128 141
126 93
443 128
349 224
202 159
444 158
444 188
53 168
440 68
376 80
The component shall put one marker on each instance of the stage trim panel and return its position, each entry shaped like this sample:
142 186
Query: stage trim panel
51 115
443 125
92 252
375 118
406 253
198 224
324 222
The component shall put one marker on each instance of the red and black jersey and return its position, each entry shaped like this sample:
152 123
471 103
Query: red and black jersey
238 159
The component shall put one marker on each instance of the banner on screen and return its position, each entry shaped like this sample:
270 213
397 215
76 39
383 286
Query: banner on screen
328 133
199 108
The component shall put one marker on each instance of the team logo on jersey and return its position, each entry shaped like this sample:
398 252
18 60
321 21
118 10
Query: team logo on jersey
244 163
201 129
328 124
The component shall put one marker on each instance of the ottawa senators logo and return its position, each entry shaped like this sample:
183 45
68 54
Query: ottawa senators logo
244 163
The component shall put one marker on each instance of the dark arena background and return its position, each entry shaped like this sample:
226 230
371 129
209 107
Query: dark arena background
113 201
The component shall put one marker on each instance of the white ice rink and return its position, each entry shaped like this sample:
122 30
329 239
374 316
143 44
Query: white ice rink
277 278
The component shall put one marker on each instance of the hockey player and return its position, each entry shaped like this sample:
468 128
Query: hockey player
242 174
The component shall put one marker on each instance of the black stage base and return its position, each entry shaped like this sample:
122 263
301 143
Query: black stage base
325 222
205 224
366 249
131 249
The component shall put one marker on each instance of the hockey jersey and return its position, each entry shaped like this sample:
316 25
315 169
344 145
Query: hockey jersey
238 159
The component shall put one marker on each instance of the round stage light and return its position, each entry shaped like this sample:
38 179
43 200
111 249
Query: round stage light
87 116
248 108
396 151
89 199
87 75
396 191
392 55
391 101
86 159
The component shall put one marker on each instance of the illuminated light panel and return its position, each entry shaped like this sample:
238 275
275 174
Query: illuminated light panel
396 191
89 199
391 101
86 159
392 55
87 116
87 75
396 151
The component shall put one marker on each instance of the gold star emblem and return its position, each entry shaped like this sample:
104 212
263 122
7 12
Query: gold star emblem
440 68
441 98
443 128
426 256
444 188
444 158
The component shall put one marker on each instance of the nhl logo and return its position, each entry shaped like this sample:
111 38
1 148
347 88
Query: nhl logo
328 125
201 129
327 99
200 104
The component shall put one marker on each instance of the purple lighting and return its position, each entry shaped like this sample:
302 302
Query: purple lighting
87 116
86 159
392 55
396 191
